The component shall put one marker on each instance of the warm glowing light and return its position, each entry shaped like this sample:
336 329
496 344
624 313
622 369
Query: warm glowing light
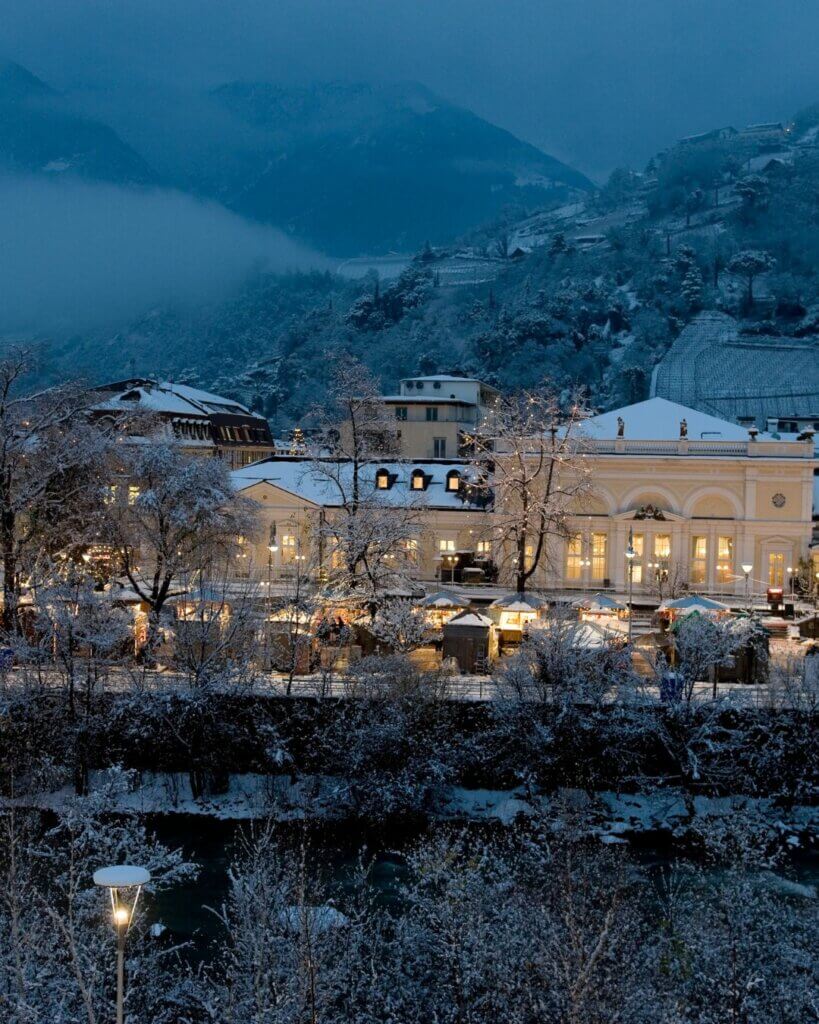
121 916
746 568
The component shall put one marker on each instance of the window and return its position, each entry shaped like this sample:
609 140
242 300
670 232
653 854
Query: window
599 543
439 447
133 494
699 560
446 546
432 413
662 547
418 481
484 548
574 557
776 569
288 548
110 498
453 480
725 559
400 412
411 547
382 480
638 542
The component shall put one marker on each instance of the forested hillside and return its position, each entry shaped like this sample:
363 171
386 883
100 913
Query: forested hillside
591 293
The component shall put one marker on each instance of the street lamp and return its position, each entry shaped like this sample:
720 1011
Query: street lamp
746 568
630 552
124 883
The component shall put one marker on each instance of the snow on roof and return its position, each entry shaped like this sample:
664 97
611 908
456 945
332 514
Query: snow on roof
302 478
168 397
657 419
444 377
519 602
444 599
694 602
469 619
598 603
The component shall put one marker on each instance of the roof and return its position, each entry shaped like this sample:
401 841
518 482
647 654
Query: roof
599 603
303 477
712 367
170 398
658 419
694 602
444 599
469 619
519 602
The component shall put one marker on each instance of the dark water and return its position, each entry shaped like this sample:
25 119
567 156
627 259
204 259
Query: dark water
338 851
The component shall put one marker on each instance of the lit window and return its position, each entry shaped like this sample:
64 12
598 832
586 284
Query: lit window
699 560
638 542
776 569
484 548
110 497
446 546
133 494
453 480
662 547
382 480
599 543
288 548
411 547
418 480
574 557
725 559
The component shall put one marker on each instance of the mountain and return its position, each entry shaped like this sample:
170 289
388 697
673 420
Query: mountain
40 132
360 168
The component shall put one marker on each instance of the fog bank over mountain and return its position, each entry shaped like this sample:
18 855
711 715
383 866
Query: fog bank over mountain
78 255
596 83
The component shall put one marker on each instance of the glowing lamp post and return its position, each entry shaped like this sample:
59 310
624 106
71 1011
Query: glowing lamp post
746 568
630 553
124 883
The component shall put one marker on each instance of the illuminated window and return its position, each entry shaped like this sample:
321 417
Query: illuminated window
776 569
528 556
133 494
453 480
382 480
725 559
288 548
411 547
418 482
699 560
638 542
574 557
662 547
599 544
446 546
484 548
110 495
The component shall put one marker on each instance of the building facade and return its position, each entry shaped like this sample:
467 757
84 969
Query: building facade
200 422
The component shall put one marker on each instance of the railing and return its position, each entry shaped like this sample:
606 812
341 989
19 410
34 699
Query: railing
684 446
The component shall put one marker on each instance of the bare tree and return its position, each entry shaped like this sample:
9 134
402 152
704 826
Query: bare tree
171 515
365 541
50 456
531 453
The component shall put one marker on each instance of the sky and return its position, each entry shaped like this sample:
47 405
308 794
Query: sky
598 83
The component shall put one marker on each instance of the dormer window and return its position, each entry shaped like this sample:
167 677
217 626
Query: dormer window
382 480
453 480
418 480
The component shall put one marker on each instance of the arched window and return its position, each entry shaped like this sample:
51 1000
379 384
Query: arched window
382 480
453 480
418 480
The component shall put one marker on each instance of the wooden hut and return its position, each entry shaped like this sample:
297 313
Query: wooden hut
471 639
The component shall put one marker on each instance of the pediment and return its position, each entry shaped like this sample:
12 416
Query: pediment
649 514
